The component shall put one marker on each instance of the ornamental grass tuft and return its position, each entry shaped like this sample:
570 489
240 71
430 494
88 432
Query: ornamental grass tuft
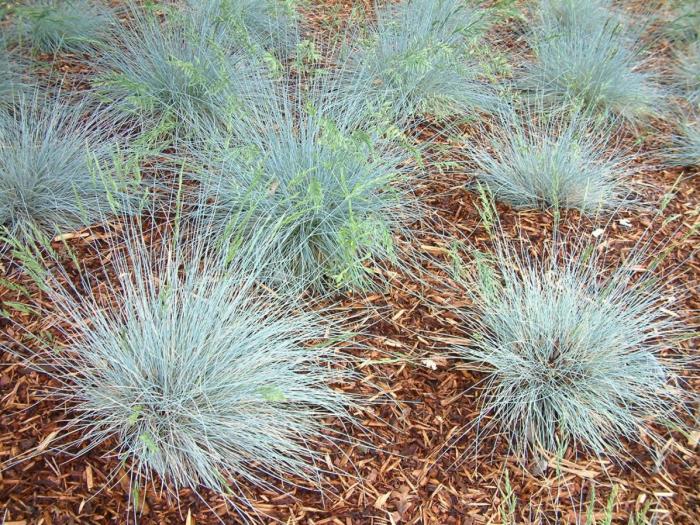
540 160
572 13
683 21
56 168
594 65
685 146
575 354
191 374
53 26
687 73
12 84
331 197
259 26
416 60
174 75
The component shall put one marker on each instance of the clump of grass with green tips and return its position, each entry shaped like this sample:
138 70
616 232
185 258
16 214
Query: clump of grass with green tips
192 375
539 160
173 75
598 67
55 168
416 60
575 354
54 26
256 25
331 197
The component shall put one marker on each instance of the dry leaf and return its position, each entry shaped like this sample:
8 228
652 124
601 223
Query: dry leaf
381 501
625 222
88 477
47 441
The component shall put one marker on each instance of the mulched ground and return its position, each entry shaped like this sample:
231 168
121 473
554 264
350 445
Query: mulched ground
401 473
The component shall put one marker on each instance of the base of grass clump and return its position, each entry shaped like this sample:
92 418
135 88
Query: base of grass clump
575 355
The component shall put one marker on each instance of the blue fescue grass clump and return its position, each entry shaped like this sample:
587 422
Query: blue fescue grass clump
574 355
683 24
416 61
53 26
538 160
596 65
571 13
11 83
55 168
685 146
173 75
687 73
260 26
193 375
331 197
